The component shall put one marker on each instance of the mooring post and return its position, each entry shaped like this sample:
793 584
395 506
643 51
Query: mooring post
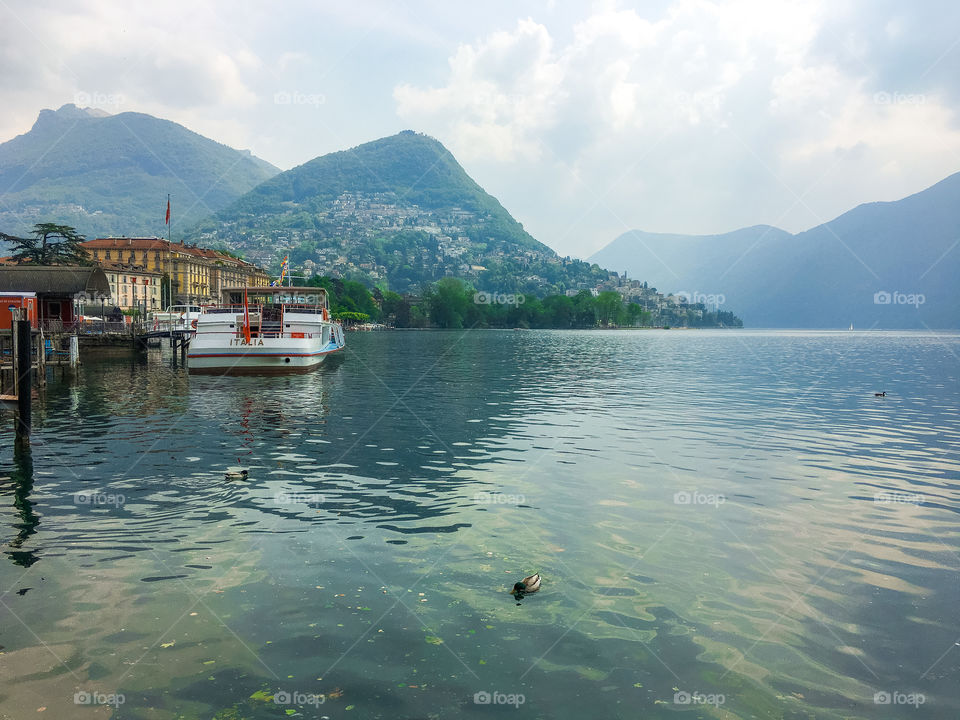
74 350
24 374
42 358
15 376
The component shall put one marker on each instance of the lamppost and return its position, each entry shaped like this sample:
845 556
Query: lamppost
135 308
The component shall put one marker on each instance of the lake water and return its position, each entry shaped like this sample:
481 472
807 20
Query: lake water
728 524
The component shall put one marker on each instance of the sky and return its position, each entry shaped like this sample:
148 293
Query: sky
584 120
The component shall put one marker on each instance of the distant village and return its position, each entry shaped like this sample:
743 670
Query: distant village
358 224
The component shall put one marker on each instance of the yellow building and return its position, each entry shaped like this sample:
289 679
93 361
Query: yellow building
189 274
133 286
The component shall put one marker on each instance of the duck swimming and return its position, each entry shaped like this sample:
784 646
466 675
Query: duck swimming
529 584
880 394
236 474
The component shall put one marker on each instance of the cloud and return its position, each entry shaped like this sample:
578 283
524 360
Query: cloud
504 91
705 117
182 59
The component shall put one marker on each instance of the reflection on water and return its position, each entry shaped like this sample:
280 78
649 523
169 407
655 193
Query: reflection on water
21 483
727 524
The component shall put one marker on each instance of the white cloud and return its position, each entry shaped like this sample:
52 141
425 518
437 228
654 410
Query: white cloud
710 116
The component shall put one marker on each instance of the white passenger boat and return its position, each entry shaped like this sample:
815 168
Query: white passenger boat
264 330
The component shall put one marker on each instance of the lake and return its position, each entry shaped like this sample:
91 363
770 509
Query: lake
728 524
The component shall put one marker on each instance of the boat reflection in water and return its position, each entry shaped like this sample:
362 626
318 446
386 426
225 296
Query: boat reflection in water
265 330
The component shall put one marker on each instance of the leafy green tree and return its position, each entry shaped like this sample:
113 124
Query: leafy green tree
392 305
448 301
585 313
558 311
49 244
608 305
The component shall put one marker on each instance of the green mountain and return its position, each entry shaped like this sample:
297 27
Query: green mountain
396 212
880 265
110 174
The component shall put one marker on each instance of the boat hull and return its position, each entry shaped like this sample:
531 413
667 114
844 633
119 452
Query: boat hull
212 354
254 363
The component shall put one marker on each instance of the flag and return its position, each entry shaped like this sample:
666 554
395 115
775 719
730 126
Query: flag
167 222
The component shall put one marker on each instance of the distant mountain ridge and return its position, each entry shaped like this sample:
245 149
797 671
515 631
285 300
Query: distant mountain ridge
880 265
399 211
110 174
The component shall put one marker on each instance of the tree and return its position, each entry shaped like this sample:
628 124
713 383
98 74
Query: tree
50 244
449 301
393 306
608 306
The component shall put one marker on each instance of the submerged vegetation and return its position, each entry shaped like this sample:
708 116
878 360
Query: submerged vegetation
452 303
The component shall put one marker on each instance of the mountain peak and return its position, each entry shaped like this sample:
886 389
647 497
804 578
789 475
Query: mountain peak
399 211
69 111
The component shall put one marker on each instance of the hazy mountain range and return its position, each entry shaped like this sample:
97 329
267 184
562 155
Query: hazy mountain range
880 265
401 211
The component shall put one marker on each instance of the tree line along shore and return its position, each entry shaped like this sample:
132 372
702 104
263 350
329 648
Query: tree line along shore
451 303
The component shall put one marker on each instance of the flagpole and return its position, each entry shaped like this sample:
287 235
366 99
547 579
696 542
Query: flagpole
170 277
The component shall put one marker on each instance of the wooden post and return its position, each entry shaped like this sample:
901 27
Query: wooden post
42 358
24 373
74 350
15 376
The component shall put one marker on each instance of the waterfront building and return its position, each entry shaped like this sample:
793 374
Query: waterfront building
133 287
61 290
188 274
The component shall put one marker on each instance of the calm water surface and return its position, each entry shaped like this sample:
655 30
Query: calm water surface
728 524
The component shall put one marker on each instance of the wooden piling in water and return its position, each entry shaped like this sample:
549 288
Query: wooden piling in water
23 372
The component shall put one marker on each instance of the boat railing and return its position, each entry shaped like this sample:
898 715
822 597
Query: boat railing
310 309
265 321
230 309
